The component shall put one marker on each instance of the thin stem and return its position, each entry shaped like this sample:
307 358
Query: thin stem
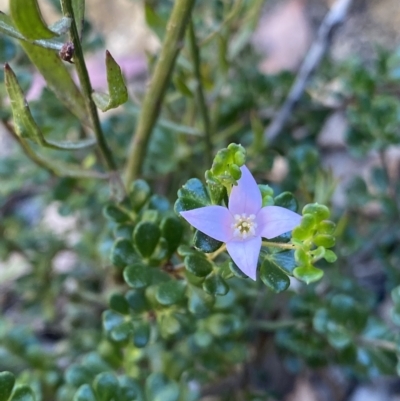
49 166
279 245
201 100
162 73
86 86
212 256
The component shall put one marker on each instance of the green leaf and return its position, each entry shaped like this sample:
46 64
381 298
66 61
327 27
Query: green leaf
141 334
308 274
169 326
117 92
171 292
325 240
220 325
58 79
8 28
23 393
200 303
205 243
106 387
28 19
119 304
172 231
338 336
146 237
121 333
122 253
111 320
330 256
7 381
160 388
84 393
25 125
320 212
114 213
273 277
198 265
130 389
215 285
139 193
76 375
180 84
283 260
286 200
192 196
154 21
138 275
137 301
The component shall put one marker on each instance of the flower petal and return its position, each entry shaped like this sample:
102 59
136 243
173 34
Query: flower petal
275 220
214 221
246 196
245 255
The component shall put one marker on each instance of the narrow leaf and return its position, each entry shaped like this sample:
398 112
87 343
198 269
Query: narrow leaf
7 381
8 28
28 19
118 93
25 125
58 79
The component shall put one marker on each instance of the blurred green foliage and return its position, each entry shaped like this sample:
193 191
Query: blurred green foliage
107 295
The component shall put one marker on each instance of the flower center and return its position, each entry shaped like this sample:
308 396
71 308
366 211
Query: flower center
244 226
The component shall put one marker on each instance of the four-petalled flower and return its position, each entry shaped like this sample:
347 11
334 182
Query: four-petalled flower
242 225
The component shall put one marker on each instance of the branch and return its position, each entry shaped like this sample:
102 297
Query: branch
201 100
86 86
336 16
176 27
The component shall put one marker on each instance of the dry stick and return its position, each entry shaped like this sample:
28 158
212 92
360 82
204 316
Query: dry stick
336 16
173 42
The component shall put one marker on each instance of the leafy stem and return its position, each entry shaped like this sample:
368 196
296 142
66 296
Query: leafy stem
86 86
162 73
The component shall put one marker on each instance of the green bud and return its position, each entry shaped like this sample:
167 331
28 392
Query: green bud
330 256
239 158
235 171
319 252
266 190
326 227
307 222
301 257
299 233
324 240
320 212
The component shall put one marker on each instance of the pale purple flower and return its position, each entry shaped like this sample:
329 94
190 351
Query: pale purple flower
243 223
